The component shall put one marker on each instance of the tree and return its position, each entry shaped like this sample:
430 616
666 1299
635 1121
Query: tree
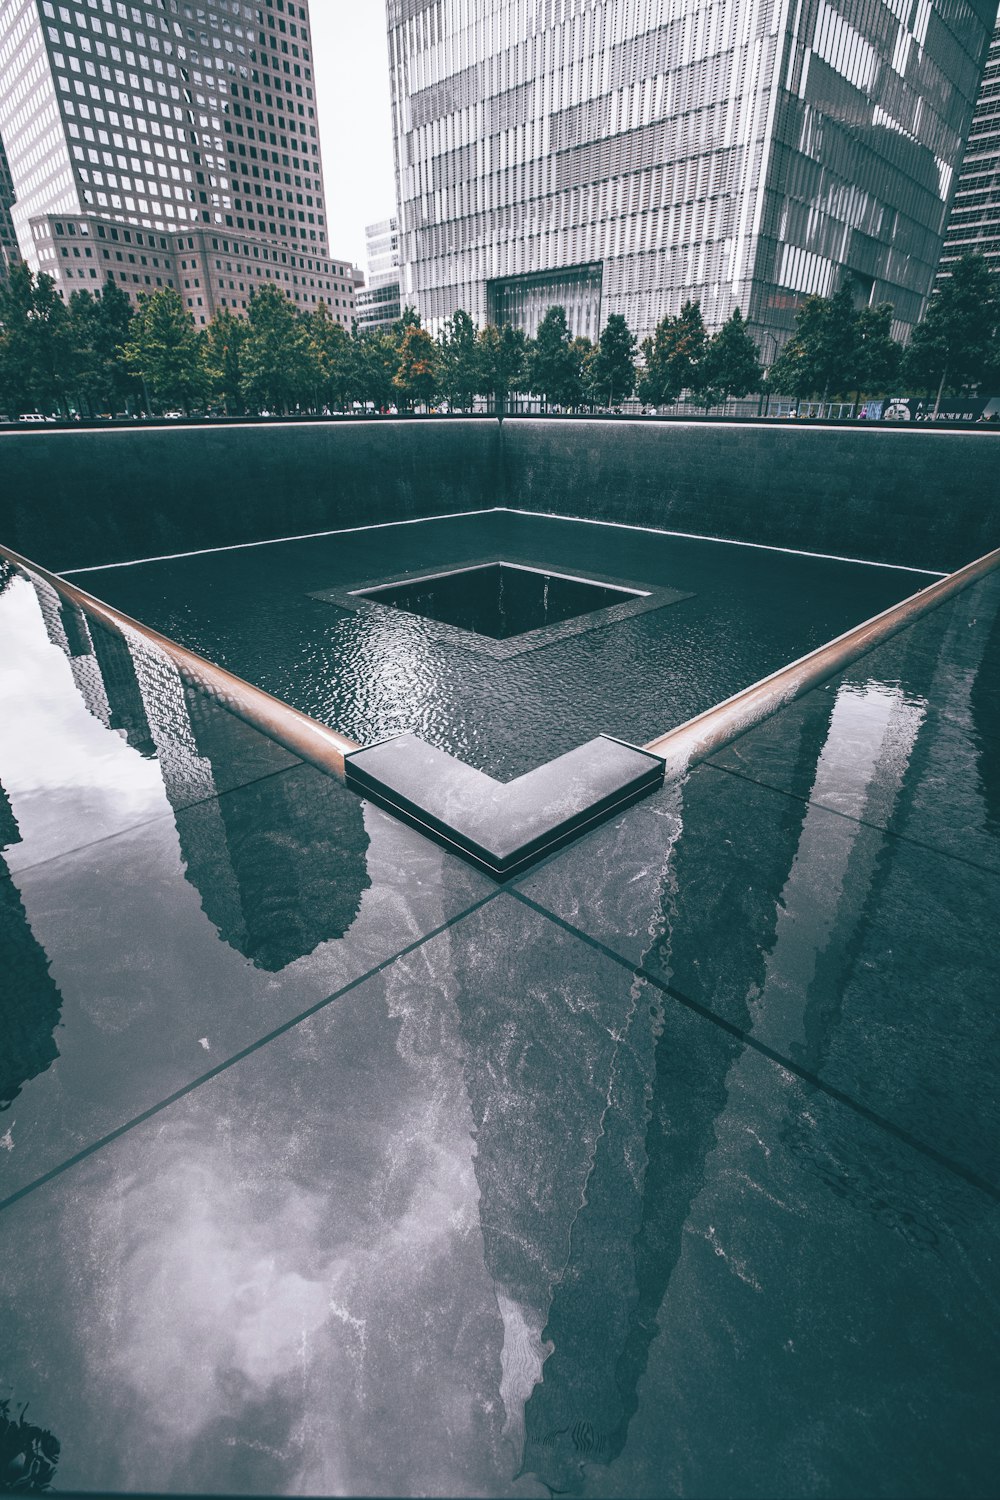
503 355
333 358
375 360
672 356
611 367
222 352
37 355
459 360
113 324
582 352
823 355
553 370
954 345
416 378
410 319
99 329
279 366
879 355
729 365
164 350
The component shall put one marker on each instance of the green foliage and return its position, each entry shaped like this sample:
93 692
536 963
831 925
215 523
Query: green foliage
459 361
38 360
955 345
416 378
878 356
279 367
729 365
820 357
29 1455
553 367
99 327
672 356
164 350
222 352
333 356
375 354
503 361
611 366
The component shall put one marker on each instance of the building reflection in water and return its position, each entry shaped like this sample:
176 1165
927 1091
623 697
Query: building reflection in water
589 1157
30 1002
279 863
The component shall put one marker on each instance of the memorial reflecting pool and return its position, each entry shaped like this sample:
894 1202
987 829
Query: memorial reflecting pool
331 1166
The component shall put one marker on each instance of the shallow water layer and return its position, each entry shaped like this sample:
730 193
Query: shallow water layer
376 672
329 1166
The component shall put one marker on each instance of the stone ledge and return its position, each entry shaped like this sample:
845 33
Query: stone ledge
503 826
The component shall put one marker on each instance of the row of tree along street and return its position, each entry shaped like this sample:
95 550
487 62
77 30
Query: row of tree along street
95 355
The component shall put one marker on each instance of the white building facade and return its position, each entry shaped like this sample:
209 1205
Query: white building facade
167 144
625 156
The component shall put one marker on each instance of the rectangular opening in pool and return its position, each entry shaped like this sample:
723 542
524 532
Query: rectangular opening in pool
500 599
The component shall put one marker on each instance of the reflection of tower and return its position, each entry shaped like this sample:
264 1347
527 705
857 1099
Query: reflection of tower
280 867
67 628
127 710
592 1133
280 863
30 1003
983 703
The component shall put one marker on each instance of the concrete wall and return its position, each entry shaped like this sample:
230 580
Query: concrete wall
70 499
927 498
930 499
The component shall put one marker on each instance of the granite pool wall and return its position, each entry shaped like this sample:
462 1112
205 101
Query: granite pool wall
929 499
72 499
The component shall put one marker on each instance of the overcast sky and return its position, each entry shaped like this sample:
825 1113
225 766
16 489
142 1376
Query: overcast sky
352 88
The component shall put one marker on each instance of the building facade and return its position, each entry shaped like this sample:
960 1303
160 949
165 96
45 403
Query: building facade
628 156
975 214
8 235
378 306
168 144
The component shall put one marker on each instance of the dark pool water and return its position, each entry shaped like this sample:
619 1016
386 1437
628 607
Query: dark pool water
374 673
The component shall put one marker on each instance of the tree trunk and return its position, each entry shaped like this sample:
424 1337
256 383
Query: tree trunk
937 398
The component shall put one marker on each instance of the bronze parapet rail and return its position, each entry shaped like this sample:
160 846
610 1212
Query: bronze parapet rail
709 731
677 750
300 734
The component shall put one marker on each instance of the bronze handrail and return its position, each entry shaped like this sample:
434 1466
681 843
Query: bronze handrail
709 731
300 734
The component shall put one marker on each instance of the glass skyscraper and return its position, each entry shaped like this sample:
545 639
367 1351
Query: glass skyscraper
975 214
168 144
625 156
378 304
8 235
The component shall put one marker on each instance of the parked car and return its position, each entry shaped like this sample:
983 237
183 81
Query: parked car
33 416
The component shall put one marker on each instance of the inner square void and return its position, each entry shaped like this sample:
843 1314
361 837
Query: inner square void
500 599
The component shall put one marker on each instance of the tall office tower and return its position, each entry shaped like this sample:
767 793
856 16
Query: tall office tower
975 213
168 144
627 156
378 305
8 237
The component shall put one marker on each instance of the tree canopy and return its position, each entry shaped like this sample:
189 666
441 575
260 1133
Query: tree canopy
97 354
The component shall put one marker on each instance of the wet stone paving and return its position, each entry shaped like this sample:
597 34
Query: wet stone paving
328 1165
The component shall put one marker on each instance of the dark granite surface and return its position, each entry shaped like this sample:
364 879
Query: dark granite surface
667 1170
179 921
923 497
928 498
174 489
